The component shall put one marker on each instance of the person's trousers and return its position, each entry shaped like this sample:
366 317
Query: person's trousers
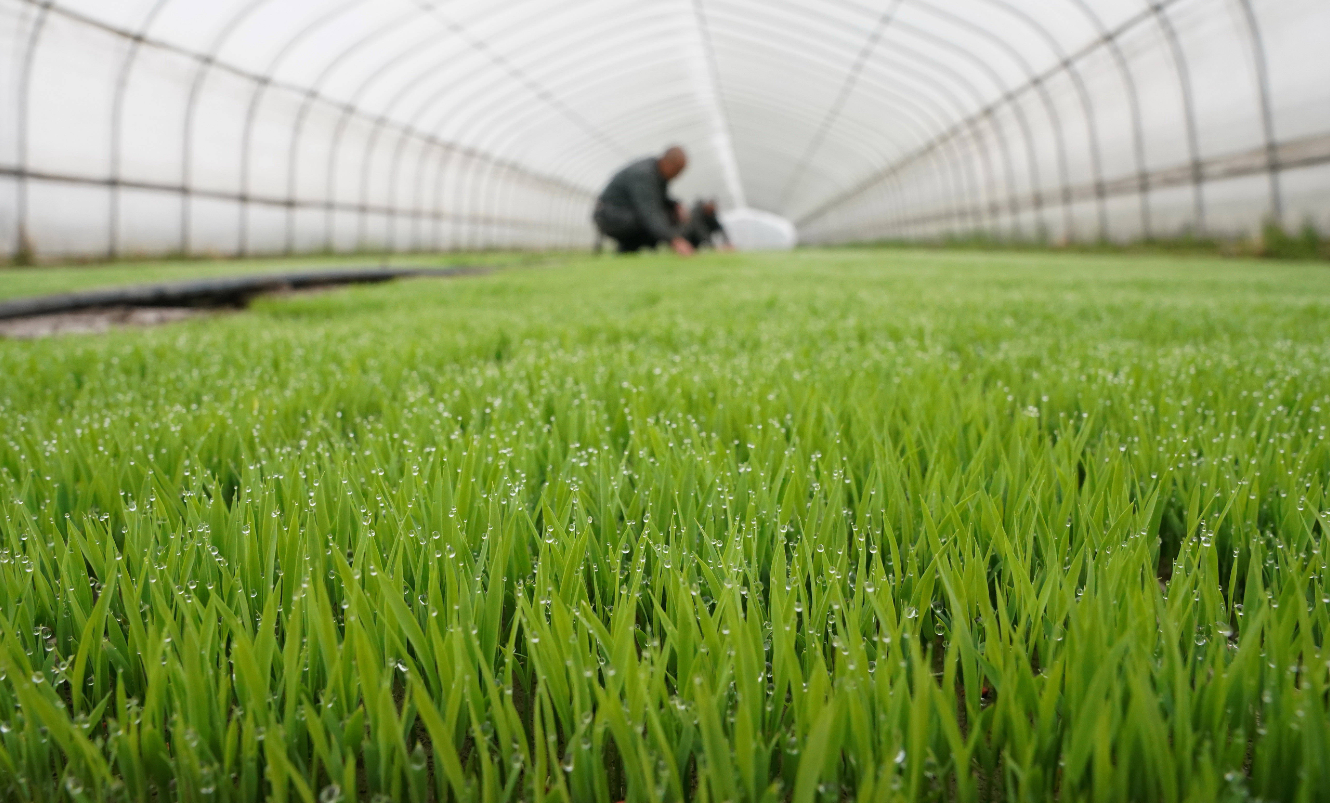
623 226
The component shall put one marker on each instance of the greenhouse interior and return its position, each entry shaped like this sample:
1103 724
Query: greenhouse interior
292 126
632 401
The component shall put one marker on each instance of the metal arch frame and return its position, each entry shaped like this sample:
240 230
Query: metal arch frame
473 177
655 112
1261 72
24 113
882 205
1087 107
379 123
553 201
1133 106
491 176
427 105
1303 152
974 129
971 216
897 73
424 108
970 140
208 62
1109 39
117 122
468 184
960 177
767 145
371 142
334 148
1006 95
312 94
833 111
198 58
898 177
518 73
926 78
501 197
1049 107
1037 83
995 129
187 137
887 208
568 205
480 115
895 91
1006 100
985 69
972 122
951 200
898 207
995 196
256 97
511 122
349 111
703 26
682 101
1158 10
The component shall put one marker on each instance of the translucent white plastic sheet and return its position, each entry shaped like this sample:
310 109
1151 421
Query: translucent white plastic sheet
261 126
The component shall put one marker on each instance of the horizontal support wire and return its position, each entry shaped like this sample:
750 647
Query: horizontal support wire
273 201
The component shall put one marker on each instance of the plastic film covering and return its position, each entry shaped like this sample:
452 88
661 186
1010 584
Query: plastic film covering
284 126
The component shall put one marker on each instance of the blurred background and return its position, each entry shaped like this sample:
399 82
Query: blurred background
248 127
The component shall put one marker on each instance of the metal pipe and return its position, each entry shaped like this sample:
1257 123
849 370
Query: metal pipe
23 112
1261 71
256 96
117 114
187 137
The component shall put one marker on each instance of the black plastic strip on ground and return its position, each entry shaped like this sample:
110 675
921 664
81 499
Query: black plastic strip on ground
234 291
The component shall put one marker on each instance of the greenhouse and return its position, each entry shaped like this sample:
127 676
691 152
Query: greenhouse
288 126
608 401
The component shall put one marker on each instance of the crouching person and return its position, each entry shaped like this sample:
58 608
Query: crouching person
636 211
704 228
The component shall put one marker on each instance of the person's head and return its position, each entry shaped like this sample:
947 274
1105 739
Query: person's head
709 207
672 162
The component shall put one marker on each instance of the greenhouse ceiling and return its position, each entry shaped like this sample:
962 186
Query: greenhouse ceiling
268 126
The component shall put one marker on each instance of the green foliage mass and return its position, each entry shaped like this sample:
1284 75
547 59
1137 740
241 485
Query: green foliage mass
821 526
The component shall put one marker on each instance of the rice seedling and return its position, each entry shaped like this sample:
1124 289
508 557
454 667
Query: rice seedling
817 527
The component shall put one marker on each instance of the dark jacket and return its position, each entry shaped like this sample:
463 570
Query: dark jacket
639 189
